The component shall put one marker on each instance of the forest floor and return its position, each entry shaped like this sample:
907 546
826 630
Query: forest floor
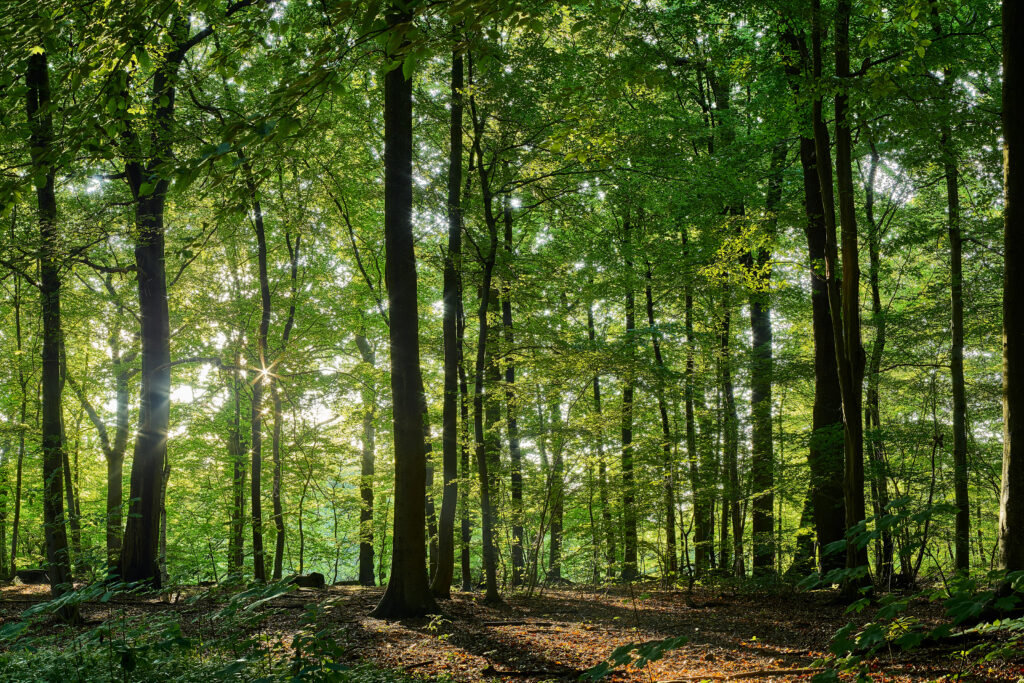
555 634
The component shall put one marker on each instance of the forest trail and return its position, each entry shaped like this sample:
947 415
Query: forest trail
556 634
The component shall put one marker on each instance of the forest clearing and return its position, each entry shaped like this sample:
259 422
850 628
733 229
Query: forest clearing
380 340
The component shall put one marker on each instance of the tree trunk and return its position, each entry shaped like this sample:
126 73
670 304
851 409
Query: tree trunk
483 455
465 469
556 486
138 561
1011 499
703 519
4 495
22 416
824 455
844 305
873 413
275 444
630 566
262 377
115 454
486 444
762 461
602 467
40 122
730 445
956 359
667 440
408 591
236 452
73 508
367 472
442 581
512 425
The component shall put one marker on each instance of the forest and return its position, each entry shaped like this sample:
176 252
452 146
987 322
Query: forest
657 340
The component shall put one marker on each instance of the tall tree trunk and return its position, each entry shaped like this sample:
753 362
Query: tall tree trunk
962 534
408 590
602 466
703 520
367 471
40 121
825 452
465 469
556 487
429 509
22 416
236 452
873 413
629 514
485 442
442 581
275 443
492 419
262 377
667 440
512 425
73 509
762 461
115 454
4 496
844 304
956 356
730 445
138 561
1011 499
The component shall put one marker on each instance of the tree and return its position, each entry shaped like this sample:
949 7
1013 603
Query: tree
1011 498
442 581
408 590
39 108
844 304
